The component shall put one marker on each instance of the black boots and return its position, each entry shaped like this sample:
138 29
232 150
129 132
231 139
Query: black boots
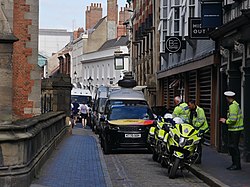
234 167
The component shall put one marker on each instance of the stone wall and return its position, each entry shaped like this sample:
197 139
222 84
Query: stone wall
6 48
26 144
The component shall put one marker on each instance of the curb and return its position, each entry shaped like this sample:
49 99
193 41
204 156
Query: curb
205 177
103 163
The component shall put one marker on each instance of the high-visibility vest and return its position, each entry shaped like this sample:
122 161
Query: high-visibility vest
234 117
181 111
199 122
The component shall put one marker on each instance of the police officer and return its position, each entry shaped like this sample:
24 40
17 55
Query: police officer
235 126
197 119
181 109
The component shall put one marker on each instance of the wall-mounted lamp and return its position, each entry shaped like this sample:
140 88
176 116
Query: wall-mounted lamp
119 60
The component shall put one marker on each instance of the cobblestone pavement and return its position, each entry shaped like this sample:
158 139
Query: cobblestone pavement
79 162
139 170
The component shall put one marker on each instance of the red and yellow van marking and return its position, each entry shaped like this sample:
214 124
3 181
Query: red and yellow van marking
131 122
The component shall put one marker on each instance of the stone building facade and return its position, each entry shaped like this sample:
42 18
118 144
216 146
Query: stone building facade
6 49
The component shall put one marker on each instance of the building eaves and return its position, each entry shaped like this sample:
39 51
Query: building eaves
231 25
121 41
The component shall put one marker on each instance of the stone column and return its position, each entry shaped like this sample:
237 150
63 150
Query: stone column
62 93
62 86
247 114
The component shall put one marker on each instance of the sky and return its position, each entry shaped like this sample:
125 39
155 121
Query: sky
67 14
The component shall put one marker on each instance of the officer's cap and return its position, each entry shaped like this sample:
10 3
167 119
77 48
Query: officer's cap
229 93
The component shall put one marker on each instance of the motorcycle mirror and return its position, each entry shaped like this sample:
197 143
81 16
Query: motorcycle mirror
155 116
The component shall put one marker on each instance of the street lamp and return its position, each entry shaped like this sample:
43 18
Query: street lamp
75 74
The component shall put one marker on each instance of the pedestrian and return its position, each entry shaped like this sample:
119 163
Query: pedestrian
181 109
75 109
234 121
84 113
197 119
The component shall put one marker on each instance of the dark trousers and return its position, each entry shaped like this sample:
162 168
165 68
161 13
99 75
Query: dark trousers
199 150
233 146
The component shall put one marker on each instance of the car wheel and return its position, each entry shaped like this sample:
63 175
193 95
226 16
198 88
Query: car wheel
101 141
106 147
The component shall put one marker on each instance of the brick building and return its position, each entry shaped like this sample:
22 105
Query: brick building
145 49
21 93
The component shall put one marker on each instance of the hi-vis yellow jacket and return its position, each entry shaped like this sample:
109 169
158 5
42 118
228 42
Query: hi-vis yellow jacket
181 111
234 117
200 122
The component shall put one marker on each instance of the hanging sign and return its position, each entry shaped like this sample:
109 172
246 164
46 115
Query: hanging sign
211 14
196 31
173 44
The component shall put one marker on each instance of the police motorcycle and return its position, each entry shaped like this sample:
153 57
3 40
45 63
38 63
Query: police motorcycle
157 134
179 147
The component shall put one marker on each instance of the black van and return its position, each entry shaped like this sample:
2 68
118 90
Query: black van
126 121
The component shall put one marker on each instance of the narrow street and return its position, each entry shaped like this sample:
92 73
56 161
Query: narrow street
138 169
79 161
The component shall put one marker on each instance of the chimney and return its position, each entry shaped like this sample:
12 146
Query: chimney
112 10
93 15
123 15
76 34
112 19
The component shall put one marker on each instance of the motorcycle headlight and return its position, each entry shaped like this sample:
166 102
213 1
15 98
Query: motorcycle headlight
182 142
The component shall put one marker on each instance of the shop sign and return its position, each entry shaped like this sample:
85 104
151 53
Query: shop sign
173 44
211 14
196 31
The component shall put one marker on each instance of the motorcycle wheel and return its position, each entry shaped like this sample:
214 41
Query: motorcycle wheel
174 168
163 163
155 156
